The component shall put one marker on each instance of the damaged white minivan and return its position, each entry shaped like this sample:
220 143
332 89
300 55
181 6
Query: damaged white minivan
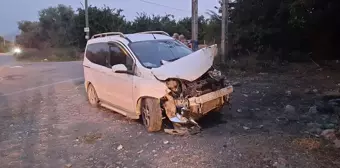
150 75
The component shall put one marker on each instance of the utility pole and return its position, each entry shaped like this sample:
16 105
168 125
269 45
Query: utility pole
194 24
224 33
87 29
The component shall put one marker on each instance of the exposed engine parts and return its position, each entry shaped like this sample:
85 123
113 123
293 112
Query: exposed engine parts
173 85
176 103
210 81
216 74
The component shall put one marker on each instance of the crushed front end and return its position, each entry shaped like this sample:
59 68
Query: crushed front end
188 101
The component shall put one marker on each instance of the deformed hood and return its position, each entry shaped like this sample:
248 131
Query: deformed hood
189 67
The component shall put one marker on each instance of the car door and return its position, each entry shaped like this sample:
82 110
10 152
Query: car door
94 68
119 86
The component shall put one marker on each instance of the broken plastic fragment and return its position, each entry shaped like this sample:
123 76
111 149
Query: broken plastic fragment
178 119
175 132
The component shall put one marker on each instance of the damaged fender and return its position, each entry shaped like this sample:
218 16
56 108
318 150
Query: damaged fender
152 89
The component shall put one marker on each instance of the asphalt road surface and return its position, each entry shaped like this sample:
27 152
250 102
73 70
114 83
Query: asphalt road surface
6 59
46 121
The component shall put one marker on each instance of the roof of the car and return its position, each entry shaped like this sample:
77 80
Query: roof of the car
143 37
136 37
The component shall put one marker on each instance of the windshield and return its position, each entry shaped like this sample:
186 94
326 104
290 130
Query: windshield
155 53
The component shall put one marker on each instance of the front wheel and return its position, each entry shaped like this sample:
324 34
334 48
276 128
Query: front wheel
151 114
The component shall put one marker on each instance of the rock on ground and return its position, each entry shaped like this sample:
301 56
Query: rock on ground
329 134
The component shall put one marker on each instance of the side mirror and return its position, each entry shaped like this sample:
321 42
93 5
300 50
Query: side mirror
121 68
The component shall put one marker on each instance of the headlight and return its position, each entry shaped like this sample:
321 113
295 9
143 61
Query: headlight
173 85
17 50
216 74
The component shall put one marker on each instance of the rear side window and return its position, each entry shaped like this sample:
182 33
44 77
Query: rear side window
98 53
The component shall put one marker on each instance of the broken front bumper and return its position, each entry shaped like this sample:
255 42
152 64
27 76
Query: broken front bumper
210 101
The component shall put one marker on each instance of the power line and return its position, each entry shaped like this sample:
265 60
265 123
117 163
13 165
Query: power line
170 7
154 3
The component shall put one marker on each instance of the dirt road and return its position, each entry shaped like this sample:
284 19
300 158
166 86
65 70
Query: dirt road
46 121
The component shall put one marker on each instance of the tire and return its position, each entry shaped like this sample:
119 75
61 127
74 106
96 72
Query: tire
92 96
151 114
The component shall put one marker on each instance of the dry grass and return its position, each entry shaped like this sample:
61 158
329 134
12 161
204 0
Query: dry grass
307 143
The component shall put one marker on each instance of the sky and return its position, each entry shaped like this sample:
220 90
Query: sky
12 11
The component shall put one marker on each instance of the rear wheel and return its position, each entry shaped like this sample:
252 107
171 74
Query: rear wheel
92 96
151 114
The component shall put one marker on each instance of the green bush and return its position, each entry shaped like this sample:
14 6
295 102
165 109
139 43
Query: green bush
3 49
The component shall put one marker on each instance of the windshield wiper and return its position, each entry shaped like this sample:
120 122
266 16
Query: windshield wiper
174 59
167 61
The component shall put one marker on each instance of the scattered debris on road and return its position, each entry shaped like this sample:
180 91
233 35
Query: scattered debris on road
68 165
90 138
289 109
300 130
175 132
329 134
281 163
236 84
120 147
246 128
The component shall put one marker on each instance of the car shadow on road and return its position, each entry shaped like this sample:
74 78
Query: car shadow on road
213 119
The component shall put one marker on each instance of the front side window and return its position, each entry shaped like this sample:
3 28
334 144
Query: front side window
118 56
152 53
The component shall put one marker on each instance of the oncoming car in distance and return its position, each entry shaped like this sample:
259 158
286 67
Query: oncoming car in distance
152 76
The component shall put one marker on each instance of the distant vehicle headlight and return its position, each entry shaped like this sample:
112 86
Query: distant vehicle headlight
17 50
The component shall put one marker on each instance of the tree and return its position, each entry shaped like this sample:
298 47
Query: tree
284 26
279 26
30 34
56 25
100 20
2 47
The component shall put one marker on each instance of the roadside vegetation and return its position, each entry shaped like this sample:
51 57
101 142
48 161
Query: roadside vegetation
50 54
4 45
276 30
